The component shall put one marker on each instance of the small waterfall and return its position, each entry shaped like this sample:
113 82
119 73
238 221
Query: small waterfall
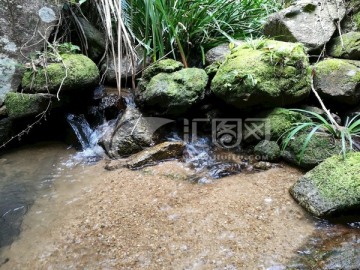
82 129
88 137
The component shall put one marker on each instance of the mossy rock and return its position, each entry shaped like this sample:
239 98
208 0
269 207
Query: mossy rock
263 73
276 123
267 150
347 46
338 80
162 66
82 74
20 105
320 147
331 188
174 93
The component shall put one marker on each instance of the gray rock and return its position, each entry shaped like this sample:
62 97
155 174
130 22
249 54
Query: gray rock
5 130
262 165
351 22
267 150
321 112
330 188
263 73
310 22
127 70
115 164
174 93
347 46
155 154
338 80
94 38
21 105
132 133
18 21
3 112
217 54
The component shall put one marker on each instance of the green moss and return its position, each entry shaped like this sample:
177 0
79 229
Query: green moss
328 66
281 120
348 46
319 148
21 105
173 93
338 179
82 73
356 19
356 77
162 66
263 72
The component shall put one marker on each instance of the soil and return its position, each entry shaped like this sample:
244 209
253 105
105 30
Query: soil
155 218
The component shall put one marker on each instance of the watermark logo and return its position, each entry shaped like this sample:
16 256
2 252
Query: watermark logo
225 132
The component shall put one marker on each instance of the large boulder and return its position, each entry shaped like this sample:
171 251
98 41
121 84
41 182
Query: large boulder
21 105
330 188
74 73
23 25
155 154
338 80
347 46
174 93
319 148
131 134
263 73
310 22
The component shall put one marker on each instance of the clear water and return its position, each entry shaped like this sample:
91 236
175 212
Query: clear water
51 170
25 174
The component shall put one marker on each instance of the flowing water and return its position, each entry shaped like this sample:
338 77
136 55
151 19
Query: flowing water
47 187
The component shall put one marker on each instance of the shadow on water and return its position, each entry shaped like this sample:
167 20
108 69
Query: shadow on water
26 173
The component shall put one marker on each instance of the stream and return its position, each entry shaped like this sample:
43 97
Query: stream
58 206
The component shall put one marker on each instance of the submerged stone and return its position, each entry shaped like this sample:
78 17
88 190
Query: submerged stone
331 188
155 154
81 73
263 73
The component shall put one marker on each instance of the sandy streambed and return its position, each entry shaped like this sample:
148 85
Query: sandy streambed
155 219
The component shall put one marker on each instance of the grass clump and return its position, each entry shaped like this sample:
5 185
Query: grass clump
319 125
